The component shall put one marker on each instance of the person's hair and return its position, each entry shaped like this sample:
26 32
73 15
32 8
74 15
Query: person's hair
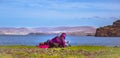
63 35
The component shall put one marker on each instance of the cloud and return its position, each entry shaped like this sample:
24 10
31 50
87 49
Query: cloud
44 11
64 4
60 8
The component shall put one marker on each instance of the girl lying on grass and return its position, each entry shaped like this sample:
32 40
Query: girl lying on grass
58 41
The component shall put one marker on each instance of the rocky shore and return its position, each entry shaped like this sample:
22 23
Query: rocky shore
110 30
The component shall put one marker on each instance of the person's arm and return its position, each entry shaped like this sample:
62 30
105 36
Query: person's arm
63 43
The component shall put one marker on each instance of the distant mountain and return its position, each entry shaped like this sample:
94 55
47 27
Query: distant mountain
78 30
14 31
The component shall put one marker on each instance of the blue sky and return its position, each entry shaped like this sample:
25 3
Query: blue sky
42 13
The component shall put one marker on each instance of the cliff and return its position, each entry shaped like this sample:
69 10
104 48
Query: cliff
109 31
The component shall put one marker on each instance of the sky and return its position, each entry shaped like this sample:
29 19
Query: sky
54 13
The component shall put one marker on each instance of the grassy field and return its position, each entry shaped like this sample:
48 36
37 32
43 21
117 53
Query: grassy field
69 52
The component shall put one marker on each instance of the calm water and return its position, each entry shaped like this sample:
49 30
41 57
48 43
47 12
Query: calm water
74 40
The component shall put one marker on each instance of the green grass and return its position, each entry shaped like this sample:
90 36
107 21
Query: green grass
69 52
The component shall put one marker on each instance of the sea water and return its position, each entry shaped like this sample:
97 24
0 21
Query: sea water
34 40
